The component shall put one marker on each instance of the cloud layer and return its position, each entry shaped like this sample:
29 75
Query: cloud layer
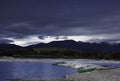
30 40
98 21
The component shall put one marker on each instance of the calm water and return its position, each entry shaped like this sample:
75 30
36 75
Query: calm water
40 70
27 70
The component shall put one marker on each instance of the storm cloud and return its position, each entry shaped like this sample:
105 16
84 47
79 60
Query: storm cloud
20 19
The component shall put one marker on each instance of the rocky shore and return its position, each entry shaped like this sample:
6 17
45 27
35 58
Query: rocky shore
97 75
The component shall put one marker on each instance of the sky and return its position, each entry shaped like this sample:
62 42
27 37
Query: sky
27 22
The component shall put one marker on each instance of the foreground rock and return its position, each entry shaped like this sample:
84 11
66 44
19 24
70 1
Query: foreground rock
97 75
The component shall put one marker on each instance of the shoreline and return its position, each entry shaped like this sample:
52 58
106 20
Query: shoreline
100 74
97 75
53 60
11 59
77 64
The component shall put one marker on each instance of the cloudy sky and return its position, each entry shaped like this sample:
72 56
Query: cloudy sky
26 22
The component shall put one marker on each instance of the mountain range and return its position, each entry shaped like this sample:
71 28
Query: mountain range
70 44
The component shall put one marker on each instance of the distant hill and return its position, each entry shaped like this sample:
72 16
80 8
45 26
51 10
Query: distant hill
63 49
100 47
9 46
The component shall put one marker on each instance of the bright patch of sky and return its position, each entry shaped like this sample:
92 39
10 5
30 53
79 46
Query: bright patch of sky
35 39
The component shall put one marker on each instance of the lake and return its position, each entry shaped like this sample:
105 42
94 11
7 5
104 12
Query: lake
36 69
29 70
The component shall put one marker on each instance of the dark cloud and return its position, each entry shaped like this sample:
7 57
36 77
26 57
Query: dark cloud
5 41
21 18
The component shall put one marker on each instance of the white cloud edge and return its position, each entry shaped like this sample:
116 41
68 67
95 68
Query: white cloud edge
34 39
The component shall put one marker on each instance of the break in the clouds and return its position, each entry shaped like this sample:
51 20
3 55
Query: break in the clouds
23 22
35 39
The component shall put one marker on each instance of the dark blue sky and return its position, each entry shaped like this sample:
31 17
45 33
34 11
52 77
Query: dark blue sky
22 18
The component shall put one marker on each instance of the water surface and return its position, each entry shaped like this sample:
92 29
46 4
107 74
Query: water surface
43 68
32 70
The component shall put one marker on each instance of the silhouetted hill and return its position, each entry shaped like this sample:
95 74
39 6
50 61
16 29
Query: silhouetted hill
63 49
100 47
9 46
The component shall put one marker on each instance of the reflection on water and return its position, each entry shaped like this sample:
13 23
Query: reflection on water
27 70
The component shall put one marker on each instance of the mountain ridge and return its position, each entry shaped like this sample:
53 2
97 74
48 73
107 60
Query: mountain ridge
84 46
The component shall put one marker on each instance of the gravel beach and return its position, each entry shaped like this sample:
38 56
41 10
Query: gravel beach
97 75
